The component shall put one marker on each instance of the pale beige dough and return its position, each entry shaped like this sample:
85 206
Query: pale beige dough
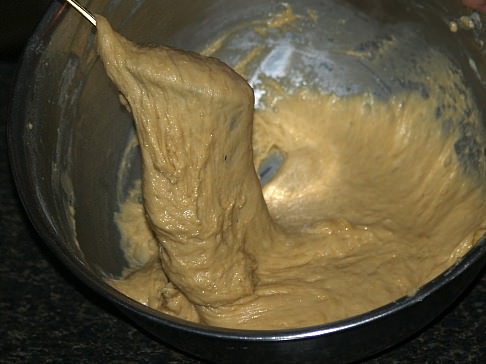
370 203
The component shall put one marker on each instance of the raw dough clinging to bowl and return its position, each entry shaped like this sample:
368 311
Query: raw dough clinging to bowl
371 200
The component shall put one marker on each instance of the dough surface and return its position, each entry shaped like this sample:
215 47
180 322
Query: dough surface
371 200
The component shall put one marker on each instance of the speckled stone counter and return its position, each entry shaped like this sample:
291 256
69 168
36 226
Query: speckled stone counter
47 316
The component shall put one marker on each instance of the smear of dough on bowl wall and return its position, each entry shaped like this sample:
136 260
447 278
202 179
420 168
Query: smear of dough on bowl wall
312 207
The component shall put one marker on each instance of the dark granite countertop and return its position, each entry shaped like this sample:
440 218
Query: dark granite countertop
48 316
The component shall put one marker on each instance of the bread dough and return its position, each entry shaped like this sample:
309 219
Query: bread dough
374 197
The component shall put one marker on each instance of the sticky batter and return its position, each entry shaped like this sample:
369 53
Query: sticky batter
374 198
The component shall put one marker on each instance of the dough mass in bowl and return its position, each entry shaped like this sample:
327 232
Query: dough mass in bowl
370 198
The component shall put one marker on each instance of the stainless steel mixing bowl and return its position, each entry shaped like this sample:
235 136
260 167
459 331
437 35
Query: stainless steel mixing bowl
68 136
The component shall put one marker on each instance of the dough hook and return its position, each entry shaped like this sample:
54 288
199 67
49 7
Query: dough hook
83 11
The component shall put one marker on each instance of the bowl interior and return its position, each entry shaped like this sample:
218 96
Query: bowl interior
86 131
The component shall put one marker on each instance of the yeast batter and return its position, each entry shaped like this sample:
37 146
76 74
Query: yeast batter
374 198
